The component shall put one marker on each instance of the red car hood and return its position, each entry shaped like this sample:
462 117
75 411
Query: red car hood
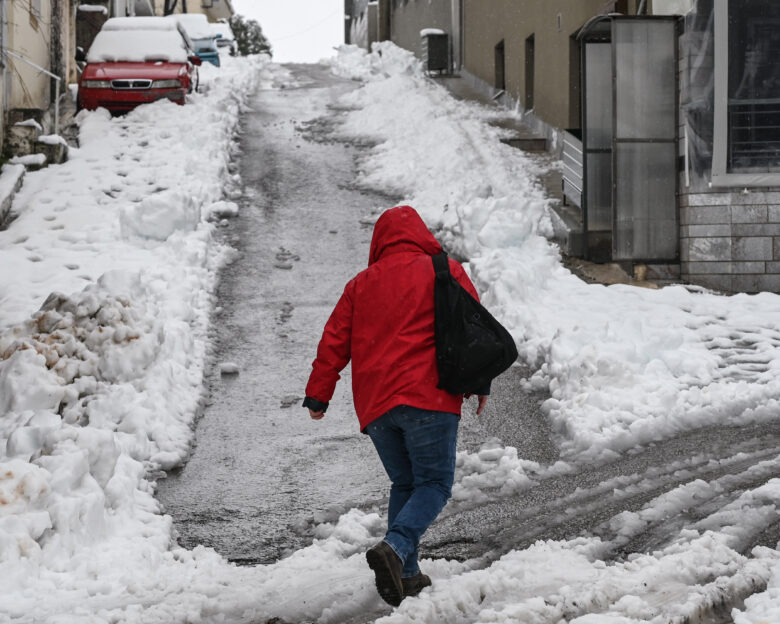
113 71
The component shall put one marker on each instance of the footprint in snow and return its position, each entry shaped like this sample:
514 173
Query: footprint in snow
290 400
228 368
71 267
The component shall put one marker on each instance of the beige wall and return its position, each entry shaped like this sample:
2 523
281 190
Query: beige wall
28 36
487 22
411 16
213 9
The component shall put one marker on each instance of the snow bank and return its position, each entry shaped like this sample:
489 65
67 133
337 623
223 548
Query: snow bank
103 322
624 366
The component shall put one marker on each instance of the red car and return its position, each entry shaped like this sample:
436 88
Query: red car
136 60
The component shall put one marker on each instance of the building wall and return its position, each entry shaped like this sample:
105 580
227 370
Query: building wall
29 33
213 9
553 23
730 241
409 17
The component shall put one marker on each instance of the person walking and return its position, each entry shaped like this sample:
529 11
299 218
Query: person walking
384 323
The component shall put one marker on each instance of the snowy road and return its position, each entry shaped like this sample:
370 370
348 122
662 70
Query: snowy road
261 466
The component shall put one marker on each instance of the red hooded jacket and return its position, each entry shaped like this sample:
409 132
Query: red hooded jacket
384 324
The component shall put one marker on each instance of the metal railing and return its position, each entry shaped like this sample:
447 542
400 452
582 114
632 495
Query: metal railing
754 133
56 88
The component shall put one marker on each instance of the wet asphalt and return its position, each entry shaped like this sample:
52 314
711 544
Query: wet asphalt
261 473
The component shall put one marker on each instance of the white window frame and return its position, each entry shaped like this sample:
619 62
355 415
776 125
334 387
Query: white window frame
720 139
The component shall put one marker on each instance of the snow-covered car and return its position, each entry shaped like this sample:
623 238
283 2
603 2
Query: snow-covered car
225 37
201 33
137 60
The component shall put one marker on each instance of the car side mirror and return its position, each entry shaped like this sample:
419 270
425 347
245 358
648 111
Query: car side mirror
195 60
81 56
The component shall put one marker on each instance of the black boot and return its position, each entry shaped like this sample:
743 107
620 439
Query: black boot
387 568
415 584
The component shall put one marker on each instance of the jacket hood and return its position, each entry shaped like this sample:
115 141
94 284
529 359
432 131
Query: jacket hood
401 229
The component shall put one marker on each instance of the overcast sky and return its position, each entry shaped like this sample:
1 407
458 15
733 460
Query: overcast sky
299 30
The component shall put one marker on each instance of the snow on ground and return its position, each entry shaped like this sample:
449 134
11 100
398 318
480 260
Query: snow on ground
625 366
103 321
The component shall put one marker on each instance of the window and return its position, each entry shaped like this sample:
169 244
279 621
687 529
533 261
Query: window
746 137
530 65
754 86
499 79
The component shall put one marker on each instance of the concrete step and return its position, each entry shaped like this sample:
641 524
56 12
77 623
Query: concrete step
527 144
31 162
11 177
54 147
24 128
567 230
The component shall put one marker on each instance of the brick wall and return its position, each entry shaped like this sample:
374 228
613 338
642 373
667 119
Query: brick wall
730 241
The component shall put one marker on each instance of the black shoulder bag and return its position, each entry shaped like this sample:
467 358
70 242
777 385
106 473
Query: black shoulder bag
472 347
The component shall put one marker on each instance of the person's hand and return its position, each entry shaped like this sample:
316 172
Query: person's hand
482 398
316 415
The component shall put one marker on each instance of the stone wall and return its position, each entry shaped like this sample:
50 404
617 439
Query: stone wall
730 241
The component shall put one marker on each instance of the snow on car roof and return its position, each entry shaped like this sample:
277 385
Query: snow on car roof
196 25
137 46
220 28
138 23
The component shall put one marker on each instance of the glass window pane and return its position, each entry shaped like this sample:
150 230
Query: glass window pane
598 95
646 213
645 78
599 189
754 86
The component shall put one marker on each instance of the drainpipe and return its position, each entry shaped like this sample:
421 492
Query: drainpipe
642 10
4 81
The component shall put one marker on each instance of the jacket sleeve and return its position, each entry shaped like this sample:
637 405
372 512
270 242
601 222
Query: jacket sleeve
459 273
333 353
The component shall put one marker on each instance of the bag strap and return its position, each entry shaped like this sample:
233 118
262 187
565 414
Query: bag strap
441 265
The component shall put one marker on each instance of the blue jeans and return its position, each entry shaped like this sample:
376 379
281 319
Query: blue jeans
417 449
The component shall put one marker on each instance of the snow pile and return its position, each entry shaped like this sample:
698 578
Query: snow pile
196 25
494 471
354 62
100 385
624 366
568 582
573 580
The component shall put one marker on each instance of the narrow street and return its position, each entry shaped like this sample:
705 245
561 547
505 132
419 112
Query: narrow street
261 470
262 473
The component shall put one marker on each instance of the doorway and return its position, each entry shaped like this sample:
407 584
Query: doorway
529 73
500 80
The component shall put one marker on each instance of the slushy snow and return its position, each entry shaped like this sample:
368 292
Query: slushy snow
103 325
